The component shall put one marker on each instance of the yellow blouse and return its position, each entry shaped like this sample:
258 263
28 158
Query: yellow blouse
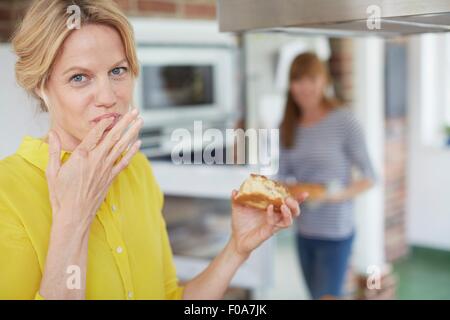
129 255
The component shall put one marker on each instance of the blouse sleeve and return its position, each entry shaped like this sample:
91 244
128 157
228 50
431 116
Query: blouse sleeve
172 288
20 275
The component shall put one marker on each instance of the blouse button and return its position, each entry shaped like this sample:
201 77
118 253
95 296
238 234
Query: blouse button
119 249
130 294
113 208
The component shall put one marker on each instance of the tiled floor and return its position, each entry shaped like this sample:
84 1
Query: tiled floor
288 282
425 274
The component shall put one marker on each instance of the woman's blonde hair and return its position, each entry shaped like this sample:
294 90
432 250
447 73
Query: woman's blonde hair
305 64
41 34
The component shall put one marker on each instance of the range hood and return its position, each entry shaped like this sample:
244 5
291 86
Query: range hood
335 17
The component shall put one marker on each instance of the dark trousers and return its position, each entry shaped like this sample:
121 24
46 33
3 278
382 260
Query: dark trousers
324 264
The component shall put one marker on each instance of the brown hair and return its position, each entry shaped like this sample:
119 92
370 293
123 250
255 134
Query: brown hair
39 38
305 64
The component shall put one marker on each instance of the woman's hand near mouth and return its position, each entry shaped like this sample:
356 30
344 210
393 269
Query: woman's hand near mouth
114 115
77 188
90 170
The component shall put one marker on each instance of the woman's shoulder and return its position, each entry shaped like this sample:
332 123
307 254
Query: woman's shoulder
140 167
13 159
140 162
13 173
10 169
342 113
143 172
344 117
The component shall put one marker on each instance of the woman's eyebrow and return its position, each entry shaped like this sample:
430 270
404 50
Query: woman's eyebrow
121 61
87 70
75 68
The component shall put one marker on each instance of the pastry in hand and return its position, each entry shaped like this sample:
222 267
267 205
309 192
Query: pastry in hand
259 192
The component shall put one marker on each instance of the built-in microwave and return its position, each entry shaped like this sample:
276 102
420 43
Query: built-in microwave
188 72
180 84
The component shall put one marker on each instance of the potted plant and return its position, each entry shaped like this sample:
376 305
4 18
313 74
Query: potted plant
447 133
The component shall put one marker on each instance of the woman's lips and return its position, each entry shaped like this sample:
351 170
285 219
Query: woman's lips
107 115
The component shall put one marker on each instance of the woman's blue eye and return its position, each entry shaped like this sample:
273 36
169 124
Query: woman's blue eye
118 71
78 78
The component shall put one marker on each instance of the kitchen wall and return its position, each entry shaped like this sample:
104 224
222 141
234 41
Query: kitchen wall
19 113
429 158
191 9
12 10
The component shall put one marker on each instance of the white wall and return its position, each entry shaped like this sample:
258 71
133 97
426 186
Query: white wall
18 112
368 106
428 206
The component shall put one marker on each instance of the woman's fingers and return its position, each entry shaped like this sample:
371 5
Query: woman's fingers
234 194
54 150
116 133
293 206
53 167
94 136
127 140
271 219
286 217
123 163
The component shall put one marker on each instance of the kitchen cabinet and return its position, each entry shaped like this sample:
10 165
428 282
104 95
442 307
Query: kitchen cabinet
198 217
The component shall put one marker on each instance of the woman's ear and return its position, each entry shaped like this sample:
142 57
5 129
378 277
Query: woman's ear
37 92
41 94
45 98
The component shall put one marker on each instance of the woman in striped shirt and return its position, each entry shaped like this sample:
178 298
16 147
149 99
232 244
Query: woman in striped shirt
321 143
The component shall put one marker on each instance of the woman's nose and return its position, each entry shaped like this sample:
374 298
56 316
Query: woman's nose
305 90
105 96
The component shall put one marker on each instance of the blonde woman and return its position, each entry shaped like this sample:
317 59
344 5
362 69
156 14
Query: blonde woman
80 210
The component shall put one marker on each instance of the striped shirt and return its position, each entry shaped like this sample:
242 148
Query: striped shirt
326 153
